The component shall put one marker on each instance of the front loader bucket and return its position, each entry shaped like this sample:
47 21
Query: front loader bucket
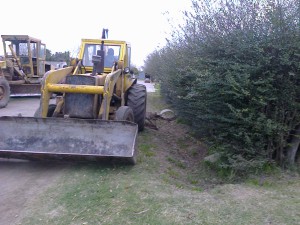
74 139
23 90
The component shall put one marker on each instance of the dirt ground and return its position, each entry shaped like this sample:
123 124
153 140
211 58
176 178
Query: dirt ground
25 106
22 181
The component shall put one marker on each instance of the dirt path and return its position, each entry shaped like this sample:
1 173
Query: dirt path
24 106
21 182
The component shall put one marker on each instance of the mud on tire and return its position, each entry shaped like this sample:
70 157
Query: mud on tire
124 113
137 100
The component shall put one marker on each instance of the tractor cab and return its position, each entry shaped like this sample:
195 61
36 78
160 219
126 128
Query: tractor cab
108 52
25 53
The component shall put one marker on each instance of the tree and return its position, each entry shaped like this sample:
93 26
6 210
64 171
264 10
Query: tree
233 73
48 55
134 69
58 56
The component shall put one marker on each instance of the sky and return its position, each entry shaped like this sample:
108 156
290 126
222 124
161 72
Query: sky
61 24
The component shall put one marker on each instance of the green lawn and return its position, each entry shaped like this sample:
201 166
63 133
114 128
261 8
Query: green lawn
169 185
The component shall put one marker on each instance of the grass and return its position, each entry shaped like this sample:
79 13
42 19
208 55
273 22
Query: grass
163 188
177 162
133 195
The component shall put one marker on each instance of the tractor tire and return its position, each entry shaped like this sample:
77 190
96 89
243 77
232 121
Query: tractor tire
137 100
51 109
4 92
124 113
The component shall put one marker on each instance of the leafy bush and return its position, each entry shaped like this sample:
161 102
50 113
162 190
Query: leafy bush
233 73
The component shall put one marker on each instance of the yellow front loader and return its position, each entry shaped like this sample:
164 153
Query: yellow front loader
98 111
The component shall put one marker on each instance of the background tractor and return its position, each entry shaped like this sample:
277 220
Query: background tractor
147 78
98 111
25 65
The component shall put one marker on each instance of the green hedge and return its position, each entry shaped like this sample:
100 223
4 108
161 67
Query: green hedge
233 73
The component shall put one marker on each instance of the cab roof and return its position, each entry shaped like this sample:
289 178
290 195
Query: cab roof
19 38
106 41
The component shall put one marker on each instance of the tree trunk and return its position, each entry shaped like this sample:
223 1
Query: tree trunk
293 147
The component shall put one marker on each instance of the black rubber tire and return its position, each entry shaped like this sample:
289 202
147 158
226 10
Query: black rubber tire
51 109
4 98
137 100
124 113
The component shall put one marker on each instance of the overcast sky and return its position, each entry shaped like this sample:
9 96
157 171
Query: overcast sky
61 24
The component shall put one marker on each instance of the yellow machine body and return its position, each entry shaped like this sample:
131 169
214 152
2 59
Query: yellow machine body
98 112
